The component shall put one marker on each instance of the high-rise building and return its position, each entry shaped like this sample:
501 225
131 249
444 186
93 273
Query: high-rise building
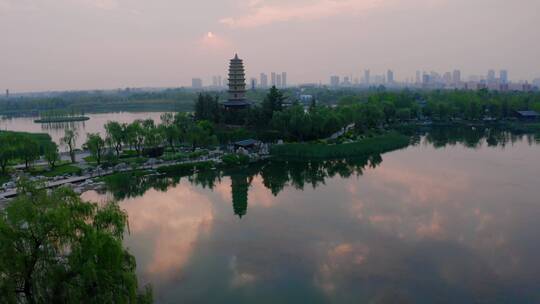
284 79
214 81
536 82
253 82
456 76
426 79
279 84
447 78
504 76
264 80
334 81
196 83
237 85
491 76
220 81
366 77
418 77
390 77
273 79
7 93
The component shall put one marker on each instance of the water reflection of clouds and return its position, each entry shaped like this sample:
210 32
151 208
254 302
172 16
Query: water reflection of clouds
165 227
176 219
423 225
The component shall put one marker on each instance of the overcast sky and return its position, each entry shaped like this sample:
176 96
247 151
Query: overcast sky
91 44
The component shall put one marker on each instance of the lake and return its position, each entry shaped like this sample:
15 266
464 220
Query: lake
56 130
450 219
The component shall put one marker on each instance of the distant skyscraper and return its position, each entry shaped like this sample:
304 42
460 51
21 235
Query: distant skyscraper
279 83
7 93
196 83
418 77
284 79
273 79
253 83
456 76
334 81
214 81
447 78
491 76
426 79
366 77
390 76
504 76
264 80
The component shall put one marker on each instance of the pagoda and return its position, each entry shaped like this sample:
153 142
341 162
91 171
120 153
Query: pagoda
237 85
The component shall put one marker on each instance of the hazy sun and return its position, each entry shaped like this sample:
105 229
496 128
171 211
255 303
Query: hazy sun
210 35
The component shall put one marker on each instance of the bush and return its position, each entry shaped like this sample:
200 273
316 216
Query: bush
378 144
231 160
154 152
197 154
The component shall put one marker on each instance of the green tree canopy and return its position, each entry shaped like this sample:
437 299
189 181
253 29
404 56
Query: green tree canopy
96 145
56 248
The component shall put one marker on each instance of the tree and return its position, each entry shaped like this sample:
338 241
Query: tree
51 154
136 136
370 116
389 110
69 139
404 114
201 135
152 135
116 135
56 248
273 102
28 150
168 129
299 123
183 123
207 108
7 150
96 145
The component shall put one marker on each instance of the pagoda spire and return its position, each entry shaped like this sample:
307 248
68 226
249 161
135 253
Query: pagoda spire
237 84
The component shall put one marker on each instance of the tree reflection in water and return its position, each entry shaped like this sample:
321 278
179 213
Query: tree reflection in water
278 174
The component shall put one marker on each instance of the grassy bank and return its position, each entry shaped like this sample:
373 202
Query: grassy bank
374 145
188 168
60 169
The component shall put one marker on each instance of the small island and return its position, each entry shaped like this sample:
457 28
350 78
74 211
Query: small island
58 116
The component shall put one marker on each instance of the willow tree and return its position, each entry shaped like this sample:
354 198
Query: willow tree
56 248
69 140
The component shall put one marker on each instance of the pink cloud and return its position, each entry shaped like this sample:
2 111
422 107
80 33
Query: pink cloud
262 13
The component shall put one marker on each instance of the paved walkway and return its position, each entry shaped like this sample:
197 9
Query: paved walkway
341 132
101 173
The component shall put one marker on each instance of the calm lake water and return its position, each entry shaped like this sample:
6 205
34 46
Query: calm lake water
56 130
456 223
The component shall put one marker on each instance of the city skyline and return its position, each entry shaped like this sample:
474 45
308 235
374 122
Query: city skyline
111 44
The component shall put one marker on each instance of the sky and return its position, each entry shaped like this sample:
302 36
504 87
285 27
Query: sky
106 44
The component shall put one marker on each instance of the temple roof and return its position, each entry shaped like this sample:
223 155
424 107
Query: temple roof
236 103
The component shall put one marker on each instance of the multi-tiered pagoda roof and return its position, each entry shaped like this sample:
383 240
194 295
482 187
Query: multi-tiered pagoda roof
237 85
